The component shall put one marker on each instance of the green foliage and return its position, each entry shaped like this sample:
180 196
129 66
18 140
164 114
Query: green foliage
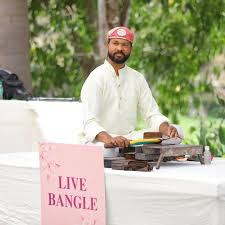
173 42
59 42
204 131
212 137
222 134
211 133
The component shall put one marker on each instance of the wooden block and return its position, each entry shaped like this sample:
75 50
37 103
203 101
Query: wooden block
178 150
129 155
149 157
122 151
108 161
133 165
153 151
148 135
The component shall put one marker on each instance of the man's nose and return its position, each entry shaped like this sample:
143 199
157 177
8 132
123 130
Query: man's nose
119 47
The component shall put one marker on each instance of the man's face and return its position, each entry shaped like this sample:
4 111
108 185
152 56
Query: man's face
119 50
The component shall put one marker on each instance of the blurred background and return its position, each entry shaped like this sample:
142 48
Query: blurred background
179 47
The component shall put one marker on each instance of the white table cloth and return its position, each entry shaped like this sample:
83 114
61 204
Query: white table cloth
184 193
17 126
23 124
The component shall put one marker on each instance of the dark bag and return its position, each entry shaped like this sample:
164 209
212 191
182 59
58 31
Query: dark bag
13 87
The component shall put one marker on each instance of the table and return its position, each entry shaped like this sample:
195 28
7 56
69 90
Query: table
23 124
186 193
17 126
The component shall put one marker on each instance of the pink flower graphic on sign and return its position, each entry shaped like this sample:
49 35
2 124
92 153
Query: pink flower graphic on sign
48 165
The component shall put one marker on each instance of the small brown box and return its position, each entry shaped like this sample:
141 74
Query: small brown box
134 165
148 135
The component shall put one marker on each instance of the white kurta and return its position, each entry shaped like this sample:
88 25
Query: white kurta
111 103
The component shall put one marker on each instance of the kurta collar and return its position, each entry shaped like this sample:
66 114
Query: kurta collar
110 67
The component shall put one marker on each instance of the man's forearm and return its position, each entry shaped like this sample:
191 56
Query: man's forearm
103 137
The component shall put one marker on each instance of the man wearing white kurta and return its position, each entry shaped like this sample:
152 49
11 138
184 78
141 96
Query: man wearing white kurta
114 94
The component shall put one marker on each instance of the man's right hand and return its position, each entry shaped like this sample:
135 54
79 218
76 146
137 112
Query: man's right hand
118 141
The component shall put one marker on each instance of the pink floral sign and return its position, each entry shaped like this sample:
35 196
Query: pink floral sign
72 184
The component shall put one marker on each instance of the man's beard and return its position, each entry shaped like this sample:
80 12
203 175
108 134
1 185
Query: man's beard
118 60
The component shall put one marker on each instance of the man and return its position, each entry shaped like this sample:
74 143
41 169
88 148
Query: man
113 94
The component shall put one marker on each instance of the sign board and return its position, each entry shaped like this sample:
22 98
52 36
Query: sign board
72 184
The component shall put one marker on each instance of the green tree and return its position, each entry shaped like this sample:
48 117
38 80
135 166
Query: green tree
68 41
174 39
59 42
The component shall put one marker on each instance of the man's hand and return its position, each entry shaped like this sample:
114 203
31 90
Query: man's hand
168 130
118 141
